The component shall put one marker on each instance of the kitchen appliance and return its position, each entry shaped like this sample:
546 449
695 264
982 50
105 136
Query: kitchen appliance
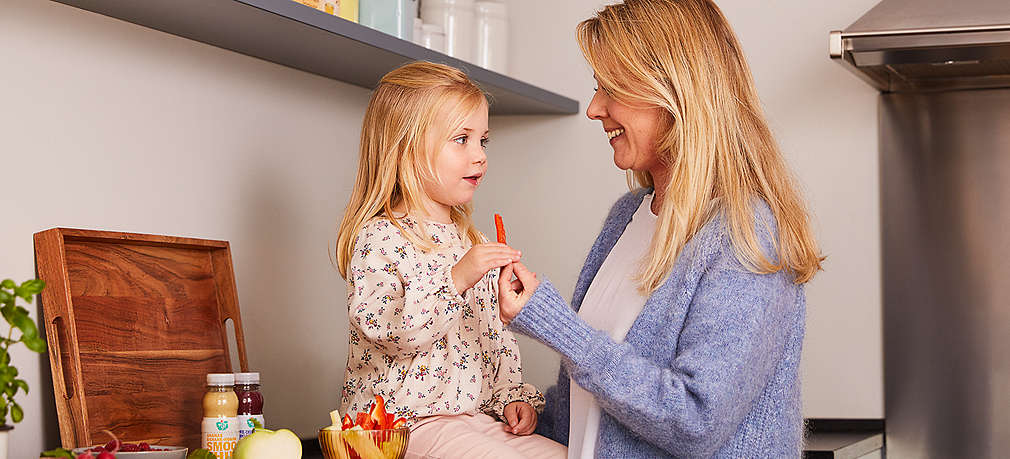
928 45
943 69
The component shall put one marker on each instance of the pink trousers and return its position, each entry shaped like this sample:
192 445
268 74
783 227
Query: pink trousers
477 436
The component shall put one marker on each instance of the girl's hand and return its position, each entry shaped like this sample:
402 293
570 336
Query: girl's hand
521 417
480 259
514 294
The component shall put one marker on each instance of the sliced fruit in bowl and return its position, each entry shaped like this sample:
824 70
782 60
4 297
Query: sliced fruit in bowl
370 435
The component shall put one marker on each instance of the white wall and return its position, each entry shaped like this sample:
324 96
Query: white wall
135 130
826 121
114 126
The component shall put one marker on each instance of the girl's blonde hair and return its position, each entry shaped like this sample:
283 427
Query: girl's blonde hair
682 56
413 109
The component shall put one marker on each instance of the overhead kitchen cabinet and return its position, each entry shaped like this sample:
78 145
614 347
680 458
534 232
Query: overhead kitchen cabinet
301 37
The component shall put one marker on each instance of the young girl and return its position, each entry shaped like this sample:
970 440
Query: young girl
425 331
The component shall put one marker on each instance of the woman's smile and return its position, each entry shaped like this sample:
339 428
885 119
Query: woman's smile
614 134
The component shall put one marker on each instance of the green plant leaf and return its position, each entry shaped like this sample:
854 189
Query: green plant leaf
17 414
6 376
10 373
33 286
8 284
58 452
22 384
10 390
3 411
5 297
29 288
25 324
5 359
23 294
36 344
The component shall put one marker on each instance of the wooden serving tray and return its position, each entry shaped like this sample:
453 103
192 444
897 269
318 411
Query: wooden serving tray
134 322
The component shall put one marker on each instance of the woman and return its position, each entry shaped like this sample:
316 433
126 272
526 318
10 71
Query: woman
684 333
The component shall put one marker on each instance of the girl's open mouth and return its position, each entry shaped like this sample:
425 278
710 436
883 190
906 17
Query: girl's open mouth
473 179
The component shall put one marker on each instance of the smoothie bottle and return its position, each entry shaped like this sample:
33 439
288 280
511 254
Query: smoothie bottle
250 402
220 415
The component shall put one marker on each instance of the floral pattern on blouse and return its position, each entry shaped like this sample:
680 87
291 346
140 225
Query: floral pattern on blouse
415 340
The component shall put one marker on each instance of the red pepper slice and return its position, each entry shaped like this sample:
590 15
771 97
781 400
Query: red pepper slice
499 227
378 413
347 422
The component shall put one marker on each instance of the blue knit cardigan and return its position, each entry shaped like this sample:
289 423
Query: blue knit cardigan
710 366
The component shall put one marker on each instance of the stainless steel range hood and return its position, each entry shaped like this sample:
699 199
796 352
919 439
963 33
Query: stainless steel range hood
928 45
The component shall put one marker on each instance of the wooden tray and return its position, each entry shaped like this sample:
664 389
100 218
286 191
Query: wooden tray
134 323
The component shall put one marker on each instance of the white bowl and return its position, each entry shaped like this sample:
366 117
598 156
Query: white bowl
159 452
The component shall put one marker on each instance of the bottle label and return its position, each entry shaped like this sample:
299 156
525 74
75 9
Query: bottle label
220 434
245 424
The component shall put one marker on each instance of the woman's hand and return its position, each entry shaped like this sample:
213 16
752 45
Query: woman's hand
514 294
521 417
480 259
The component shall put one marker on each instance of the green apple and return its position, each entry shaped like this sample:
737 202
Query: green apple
269 444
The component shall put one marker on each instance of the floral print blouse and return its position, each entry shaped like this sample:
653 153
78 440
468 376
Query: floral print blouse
427 349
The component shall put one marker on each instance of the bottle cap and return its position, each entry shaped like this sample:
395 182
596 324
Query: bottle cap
247 378
220 379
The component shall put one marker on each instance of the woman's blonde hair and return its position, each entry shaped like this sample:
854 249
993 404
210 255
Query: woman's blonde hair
412 110
682 56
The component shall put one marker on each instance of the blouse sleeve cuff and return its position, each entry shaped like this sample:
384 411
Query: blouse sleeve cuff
447 292
516 393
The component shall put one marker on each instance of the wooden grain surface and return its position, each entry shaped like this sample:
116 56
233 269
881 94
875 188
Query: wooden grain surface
134 323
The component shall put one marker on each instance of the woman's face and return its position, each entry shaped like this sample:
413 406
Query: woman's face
633 132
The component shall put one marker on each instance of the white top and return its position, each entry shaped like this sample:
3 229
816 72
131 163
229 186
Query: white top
247 378
612 304
220 379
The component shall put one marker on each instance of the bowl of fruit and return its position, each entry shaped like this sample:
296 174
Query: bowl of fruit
119 450
370 435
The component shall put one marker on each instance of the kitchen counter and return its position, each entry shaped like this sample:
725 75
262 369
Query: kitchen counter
826 439
841 445
844 438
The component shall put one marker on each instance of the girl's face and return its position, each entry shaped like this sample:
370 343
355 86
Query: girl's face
633 132
460 165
